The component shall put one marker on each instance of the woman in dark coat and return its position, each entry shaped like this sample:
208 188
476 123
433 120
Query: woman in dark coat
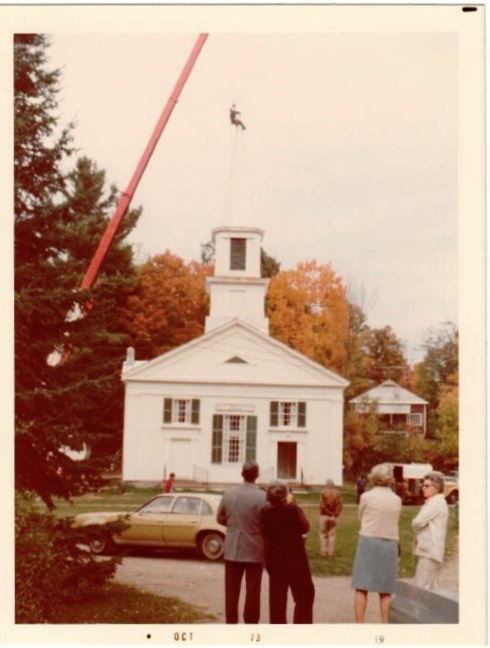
283 526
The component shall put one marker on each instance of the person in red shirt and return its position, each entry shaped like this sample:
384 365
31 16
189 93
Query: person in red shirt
169 484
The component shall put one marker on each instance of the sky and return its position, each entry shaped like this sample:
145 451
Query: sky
350 152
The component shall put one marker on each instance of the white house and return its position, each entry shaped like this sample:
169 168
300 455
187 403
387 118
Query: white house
234 393
399 410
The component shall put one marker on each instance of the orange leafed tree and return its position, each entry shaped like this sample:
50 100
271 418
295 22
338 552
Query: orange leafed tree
170 304
308 310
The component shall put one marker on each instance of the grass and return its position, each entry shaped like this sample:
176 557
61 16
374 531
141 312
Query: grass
116 603
133 497
346 541
347 530
104 501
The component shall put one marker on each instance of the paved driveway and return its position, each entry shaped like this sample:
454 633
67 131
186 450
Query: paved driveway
202 584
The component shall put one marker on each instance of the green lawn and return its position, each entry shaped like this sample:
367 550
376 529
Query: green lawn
347 531
346 541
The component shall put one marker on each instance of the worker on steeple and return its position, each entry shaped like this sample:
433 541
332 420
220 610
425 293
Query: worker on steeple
235 120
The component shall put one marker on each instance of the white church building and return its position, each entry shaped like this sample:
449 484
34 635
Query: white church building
234 393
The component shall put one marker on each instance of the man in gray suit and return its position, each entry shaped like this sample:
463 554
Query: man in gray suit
240 511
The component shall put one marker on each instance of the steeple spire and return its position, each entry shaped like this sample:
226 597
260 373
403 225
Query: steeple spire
238 204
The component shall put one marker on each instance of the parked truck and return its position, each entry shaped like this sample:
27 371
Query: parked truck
409 478
408 481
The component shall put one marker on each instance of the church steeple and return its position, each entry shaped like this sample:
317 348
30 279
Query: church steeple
237 289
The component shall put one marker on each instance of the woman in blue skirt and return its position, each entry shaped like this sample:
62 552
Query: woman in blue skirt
375 565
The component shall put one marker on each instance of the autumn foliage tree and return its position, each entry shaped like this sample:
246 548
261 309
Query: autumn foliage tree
169 306
360 435
446 447
440 365
385 356
308 310
437 380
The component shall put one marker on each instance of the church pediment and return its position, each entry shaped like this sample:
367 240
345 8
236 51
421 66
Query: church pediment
234 353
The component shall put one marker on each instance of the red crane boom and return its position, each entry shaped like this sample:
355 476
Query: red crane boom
127 196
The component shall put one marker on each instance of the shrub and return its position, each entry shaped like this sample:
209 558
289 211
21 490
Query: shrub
52 563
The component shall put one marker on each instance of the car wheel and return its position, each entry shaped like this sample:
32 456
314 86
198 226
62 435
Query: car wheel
212 545
102 545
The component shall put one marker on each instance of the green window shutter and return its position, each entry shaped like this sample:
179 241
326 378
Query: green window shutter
302 414
217 442
274 414
251 444
195 411
167 410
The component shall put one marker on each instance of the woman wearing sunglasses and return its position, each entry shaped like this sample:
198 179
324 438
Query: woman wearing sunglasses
430 527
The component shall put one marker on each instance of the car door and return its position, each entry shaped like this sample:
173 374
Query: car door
147 523
183 522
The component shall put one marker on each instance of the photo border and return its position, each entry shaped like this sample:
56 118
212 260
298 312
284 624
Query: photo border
469 26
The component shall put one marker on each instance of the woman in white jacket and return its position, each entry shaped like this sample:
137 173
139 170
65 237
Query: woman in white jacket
430 527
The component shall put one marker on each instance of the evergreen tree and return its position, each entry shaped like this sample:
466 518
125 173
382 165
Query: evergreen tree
59 219
356 368
269 266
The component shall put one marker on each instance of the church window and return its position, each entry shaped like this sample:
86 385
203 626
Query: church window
234 438
181 410
288 414
238 249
